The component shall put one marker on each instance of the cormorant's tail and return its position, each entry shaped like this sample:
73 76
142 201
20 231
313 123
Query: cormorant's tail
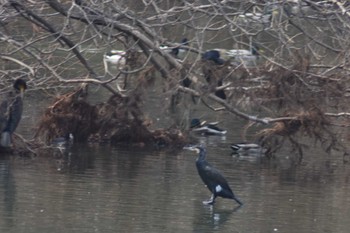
5 139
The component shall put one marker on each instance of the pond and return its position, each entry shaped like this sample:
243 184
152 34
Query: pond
100 188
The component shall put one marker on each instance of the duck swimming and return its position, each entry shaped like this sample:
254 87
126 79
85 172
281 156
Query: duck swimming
248 148
204 128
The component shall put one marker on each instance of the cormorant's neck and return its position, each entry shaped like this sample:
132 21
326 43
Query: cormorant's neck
202 155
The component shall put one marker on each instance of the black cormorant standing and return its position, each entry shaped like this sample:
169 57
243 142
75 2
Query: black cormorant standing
212 178
11 109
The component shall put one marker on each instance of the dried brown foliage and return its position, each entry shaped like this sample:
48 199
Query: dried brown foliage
68 114
312 123
119 120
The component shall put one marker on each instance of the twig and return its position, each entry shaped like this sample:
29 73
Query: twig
340 114
18 62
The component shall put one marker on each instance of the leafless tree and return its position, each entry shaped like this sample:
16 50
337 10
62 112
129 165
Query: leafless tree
297 85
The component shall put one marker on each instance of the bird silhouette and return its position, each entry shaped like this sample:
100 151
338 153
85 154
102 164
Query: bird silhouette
11 109
212 178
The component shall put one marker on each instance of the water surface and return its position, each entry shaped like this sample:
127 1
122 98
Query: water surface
105 189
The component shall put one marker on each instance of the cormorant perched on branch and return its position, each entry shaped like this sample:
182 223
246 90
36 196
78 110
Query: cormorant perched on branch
212 178
11 109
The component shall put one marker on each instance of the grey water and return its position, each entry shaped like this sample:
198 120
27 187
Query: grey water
101 188
104 188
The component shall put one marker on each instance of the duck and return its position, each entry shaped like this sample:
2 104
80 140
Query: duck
63 141
116 58
179 52
243 54
215 55
11 109
175 50
254 50
204 128
212 177
164 47
255 17
248 148
304 8
233 56
263 17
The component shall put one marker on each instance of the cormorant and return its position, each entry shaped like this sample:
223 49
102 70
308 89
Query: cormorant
212 178
11 109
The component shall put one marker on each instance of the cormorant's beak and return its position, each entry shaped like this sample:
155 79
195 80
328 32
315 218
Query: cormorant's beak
189 148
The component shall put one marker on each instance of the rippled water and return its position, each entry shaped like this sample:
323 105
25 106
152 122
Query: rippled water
100 188
104 189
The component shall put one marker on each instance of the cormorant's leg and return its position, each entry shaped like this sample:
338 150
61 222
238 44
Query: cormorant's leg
210 201
237 200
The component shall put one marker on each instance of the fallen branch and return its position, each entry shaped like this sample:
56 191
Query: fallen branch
340 114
